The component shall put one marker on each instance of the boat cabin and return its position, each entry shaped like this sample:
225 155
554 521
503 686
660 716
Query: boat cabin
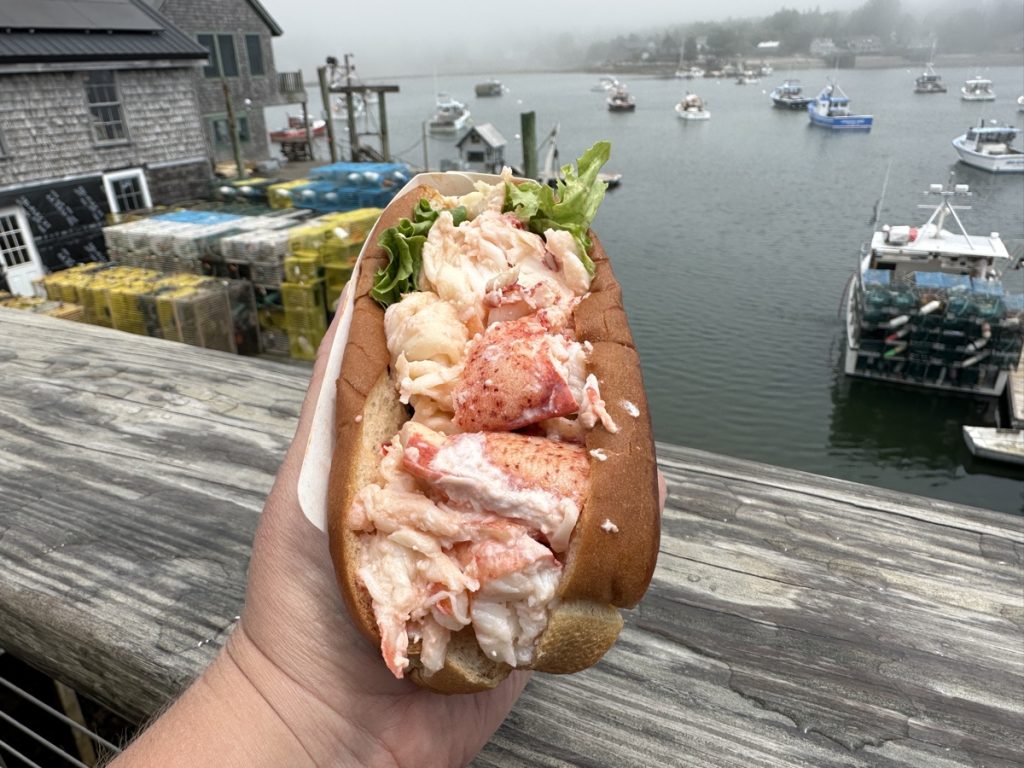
992 139
482 149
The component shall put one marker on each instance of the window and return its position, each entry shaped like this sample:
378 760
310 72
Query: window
104 107
127 191
222 138
222 50
14 250
254 47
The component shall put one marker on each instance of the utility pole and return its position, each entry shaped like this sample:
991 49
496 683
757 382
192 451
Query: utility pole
236 145
325 94
353 136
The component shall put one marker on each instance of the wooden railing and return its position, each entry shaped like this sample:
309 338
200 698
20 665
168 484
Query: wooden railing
794 620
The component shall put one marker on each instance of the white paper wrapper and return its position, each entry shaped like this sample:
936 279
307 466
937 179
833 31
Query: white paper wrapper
316 462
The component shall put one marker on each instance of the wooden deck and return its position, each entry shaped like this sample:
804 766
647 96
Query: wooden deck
794 620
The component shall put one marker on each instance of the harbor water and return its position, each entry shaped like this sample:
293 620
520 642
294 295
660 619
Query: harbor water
734 238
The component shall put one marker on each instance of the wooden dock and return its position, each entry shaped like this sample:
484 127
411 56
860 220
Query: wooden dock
794 620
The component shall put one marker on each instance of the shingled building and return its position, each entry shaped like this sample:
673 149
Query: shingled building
98 113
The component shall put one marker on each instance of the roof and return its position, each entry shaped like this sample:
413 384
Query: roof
256 5
487 132
56 31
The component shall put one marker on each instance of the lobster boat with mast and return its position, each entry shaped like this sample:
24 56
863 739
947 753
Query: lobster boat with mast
935 308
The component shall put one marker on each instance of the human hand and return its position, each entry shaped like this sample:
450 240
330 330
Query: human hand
296 683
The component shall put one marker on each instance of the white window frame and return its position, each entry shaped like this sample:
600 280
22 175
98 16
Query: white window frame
131 173
25 232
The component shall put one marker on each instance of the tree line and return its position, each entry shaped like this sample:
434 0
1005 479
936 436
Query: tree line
877 26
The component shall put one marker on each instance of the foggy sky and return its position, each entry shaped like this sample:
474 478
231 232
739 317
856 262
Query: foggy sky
404 37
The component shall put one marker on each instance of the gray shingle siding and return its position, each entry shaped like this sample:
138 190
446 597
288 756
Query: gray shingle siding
237 18
45 122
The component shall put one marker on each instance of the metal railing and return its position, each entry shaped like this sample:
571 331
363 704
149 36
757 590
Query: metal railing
86 740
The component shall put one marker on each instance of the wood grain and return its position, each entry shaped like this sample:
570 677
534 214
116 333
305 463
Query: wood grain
793 620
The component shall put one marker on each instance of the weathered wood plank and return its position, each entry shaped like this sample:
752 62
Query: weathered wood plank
794 620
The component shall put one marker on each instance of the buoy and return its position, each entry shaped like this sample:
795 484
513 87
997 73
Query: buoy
896 322
930 307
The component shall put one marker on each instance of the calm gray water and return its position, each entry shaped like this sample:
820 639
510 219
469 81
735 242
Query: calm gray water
733 240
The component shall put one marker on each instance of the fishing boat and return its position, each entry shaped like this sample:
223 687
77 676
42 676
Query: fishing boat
690 73
832 110
551 174
995 444
296 130
449 115
1020 103
747 78
621 100
929 82
989 146
490 88
604 84
692 107
929 307
790 95
977 89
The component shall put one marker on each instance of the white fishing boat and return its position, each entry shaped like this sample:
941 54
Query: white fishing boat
449 115
977 89
551 174
748 78
1020 103
989 146
928 307
995 444
690 73
692 107
604 83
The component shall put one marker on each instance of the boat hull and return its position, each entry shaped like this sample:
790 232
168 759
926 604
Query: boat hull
795 104
1008 163
622 107
448 126
977 97
845 123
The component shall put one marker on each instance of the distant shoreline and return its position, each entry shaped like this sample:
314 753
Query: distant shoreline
660 69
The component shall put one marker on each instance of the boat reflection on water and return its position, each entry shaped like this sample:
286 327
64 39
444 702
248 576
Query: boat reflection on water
907 430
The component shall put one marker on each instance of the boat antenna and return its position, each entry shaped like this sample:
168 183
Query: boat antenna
881 197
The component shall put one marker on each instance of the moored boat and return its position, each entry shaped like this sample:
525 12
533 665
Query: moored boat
692 107
995 444
604 83
928 307
621 100
490 88
989 146
929 82
831 109
747 78
296 130
977 89
449 115
790 95
690 73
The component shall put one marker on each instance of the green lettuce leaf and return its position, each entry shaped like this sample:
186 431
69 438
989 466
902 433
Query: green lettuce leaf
404 244
570 206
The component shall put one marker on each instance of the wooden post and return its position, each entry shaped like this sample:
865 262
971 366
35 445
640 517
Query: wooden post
385 144
230 108
353 135
528 129
309 130
325 94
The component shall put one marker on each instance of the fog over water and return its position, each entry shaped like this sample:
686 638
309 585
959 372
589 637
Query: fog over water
403 37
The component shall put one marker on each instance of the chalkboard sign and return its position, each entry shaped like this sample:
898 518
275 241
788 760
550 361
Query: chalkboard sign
66 219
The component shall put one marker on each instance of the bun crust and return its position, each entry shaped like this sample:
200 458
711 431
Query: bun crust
614 546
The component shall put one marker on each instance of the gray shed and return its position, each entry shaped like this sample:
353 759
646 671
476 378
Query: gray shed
482 149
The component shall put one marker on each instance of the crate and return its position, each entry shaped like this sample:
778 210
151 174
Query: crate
280 195
310 320
275 341
302 345
303 269
337 275
303 295
343 252
268 274
333 294
199 315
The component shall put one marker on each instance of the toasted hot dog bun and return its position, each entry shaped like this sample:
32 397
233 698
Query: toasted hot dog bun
614 545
